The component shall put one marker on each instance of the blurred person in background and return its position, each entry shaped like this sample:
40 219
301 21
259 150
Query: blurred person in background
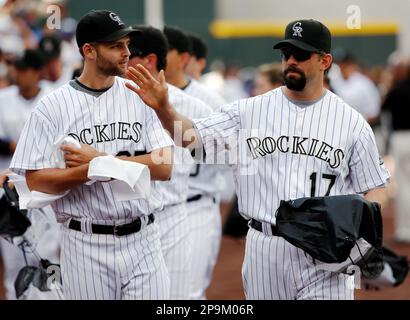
150 49
56 73
354 87
214 78
397 104
203 210
4 71
267 77
197 61
15 32
233 88
396 71
16 103
195 68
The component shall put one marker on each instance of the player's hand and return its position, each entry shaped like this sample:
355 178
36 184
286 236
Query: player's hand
75 157
152 91
3 177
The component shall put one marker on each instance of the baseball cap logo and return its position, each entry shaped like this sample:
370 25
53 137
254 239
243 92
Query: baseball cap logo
297 29
116 18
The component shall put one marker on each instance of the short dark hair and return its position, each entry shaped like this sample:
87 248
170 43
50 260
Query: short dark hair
199 47
178 39
151 40
31 59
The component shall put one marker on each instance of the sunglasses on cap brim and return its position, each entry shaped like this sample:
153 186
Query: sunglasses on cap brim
298 54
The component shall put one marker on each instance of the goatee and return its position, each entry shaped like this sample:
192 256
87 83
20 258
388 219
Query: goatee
292 82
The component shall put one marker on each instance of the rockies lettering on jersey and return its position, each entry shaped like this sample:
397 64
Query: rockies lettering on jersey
109 132
297 145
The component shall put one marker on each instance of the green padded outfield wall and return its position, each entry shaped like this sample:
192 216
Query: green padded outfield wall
131 11
196 16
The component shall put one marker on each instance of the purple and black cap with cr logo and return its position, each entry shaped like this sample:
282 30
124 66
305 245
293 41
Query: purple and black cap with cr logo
309 35
101 26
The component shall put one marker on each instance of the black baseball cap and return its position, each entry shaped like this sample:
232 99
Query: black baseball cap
101 26
199 47
178 39
31 59
150 40
50 46
310 35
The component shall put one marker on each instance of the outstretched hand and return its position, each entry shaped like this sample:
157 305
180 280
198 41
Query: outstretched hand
152 91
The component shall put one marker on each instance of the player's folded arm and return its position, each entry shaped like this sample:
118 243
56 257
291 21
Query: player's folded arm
159 162
56 181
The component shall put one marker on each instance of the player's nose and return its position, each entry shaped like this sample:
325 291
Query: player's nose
127 52
292 60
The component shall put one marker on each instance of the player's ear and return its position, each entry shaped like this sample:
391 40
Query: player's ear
89 51
184 59
151 61
202 63
326 61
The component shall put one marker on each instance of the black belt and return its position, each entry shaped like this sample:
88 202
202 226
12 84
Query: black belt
198 197
258 226
116 230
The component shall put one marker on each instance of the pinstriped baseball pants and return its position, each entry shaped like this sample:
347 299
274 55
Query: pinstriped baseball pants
204 221
274 269
176 248
107 267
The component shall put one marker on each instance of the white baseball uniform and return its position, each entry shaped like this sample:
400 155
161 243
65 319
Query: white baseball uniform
172 219
207 95
15 110
100 266
288 150
203 206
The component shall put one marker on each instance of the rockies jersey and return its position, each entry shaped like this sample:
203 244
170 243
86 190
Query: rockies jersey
176 190
115 121
14 112
286 151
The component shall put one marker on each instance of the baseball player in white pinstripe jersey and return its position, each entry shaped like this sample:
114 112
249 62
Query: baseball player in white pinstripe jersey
203 197
16 104
295 141
110 249
150 49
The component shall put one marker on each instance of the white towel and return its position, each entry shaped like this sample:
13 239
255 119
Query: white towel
131 180
57 155
36 199
32 199
356 254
